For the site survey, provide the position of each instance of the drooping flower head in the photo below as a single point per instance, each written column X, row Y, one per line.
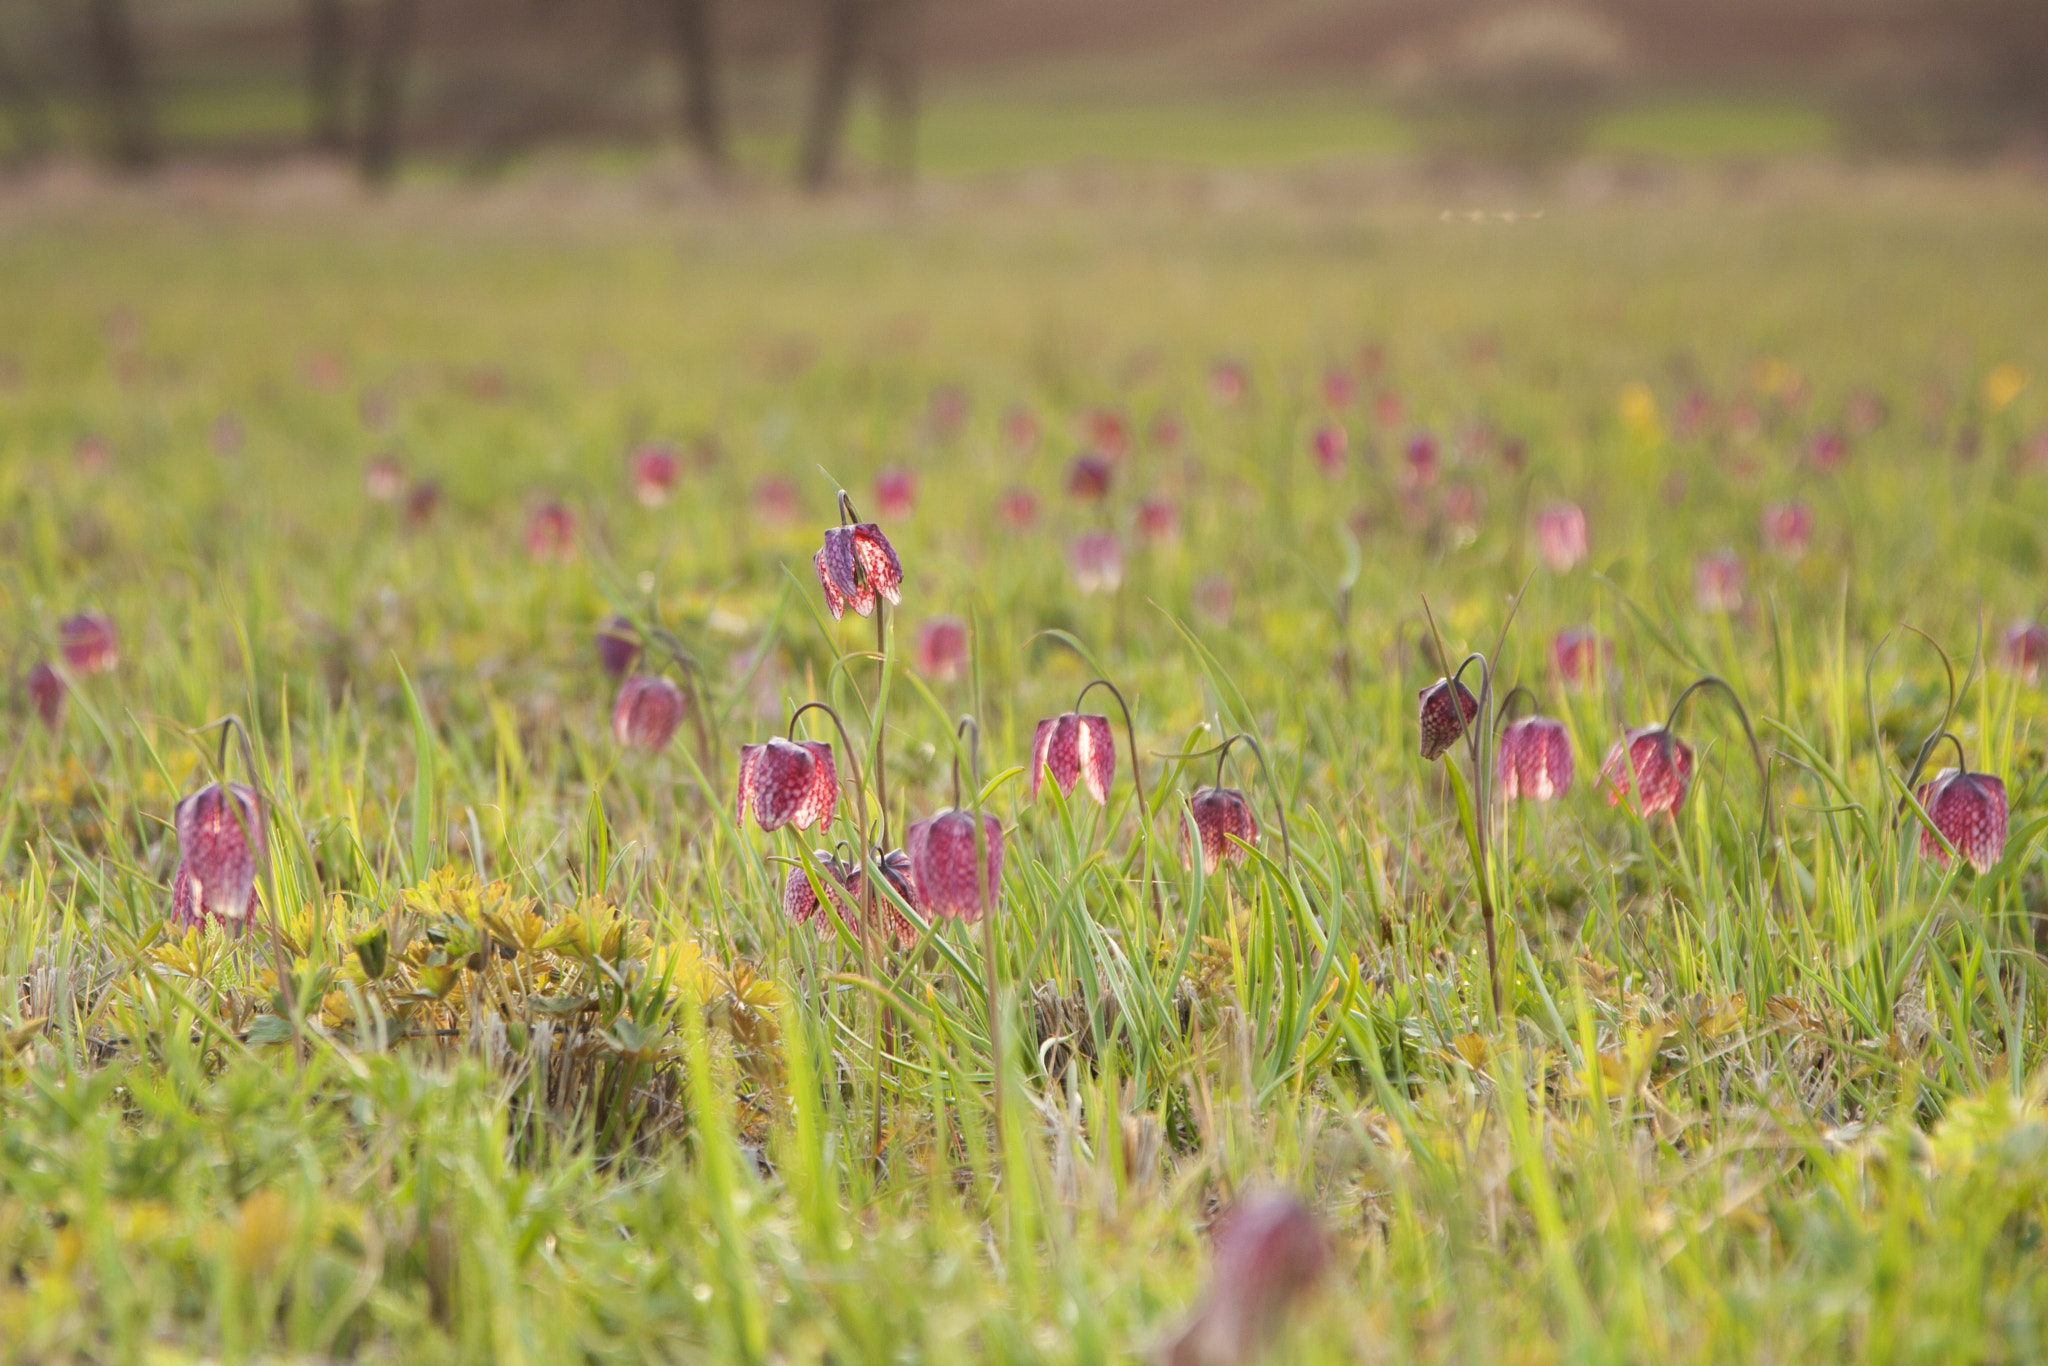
column 1717, row 582
column 618, row 645
column 1096, row 560
column 1074, row 748
column 1444, row 709
column 1269, row 1252
column 856, row 565
column 1576, row 650
column 1969, row 810
column 422, row 502
column 1020, row 429
column 1787, row 528
column 951, row 881
column 787, row 782
column 1331, row 444
column 647, row 712
column 2024, row 648
column 1828, row 450
column 1088, row 477
column 654, row 468
column 89, row 642
column 844, row 885
column 1108, row 432
column 1561, row 535
column 46, row 691
column 896, row 493
column 1535, row 762
column 220, row 842
column 551, row 532
column 1019, row 507
column 942, row 648
column 1158, row 520
column 1222, row 817
column 775, row 500
column 1652, row 762
column 1229, row 381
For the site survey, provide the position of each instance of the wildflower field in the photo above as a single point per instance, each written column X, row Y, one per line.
column 557, row 807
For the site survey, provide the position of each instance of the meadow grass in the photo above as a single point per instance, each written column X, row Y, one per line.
column 520, row 1060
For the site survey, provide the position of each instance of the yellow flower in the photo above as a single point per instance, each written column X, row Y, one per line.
column 2003, row 385
column 1638, row 409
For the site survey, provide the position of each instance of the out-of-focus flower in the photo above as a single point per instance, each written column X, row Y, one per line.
column 1561, row 536
column 1269, row 1253
column 1019, row 508
column 856, row 564
column 775, row 500
column 1827, row 450
column 1463, row 506
column 1787, row 528
column 1073, row 748
column 1444, row 709
column 422, row 503
column 1695, row 415
column 1229, row 381
column 787, row 782
column 2024, row 648
column 551, row 533
column 950, row 880
column 1576, row 650
column 1221, row 816
column 647, row 712
column 844, row 884
column 942, row 648
column 1421, row 455
column 220, row 843
column 896, row 493
column 1158, row 520
column 1168, row 431
column 1339, row 389
column 1109, row 433
column 1652, row 762
column 2002, row 385
column 1020, row 429
column 46, row 691
column 1969, row 810
column 383, row 478
column 1865, row 413
column 946, row 410
column 1214, row 599
column 1331, row 444
column 1088, row 477
column 1717, row 582
column 654, row 468
column 1096, row 559
column 1535, row 761
column 618, row 645
column 1637, row 407
column 89, row 643
column 1388, row 410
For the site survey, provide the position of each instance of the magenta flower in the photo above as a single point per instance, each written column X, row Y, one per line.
column 47, row 692
column 551, row 533
column 1561, row 536
column 2024, row 648
column 1535, row 761
column 1421, row 455
column 1158, row 520
column 89, row 643
column 1331, row 444
column 1020, row 430
column 942, row 648
column 1096, row 559
column 1828, row 450
column 1074, row 747
column 618, row 645
column 1339, row 389
column 422, row 503
column 1717, row 582
column 1088, row 477
column 1387, row 409
column 1575, row 651
column 1229, row 381
column 1969, row 810
column 844, row 883
column 1444, row 715
column 647, row 713
column 896, row 493
column 787, row 782
column 1656, row 763
column 220, row 842
column 1787, row 528
column 775, row 500
column 654, row 469
column 1019, row 508
column 1167, row 431
column 950, row 882
column 383, row 479
column 857, row 563
column 1222, row 818
column 1109, row 433
column 1269, row 1252
column 1463, row 504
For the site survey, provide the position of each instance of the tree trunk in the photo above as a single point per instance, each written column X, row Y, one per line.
column 116, row 53
column 384, row 89
column 697, row 63
column 898, row 55
column 838, row 53
column 327, row 74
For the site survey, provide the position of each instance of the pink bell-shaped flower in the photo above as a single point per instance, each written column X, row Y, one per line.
column 1074, row 748
column 787, row 782
column 89, row 642
column 1561, row 536
column 1535, row 762
column 1656, row 763
column 647, row 712
column 1222, row 817
column 1444, row 719
column 856, row 564
column 950, row 881
column 1969, row 810
column 220, row 843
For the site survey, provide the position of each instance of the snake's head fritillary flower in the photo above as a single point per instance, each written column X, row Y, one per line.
column 647, row 713
column 1088, row 477
column 1969, row 810
column 89, row 643
column 1717, row 582
column 1787, row 528
column 1561, row 536
column 800, row 899
column 1222, row 817
column 1168, row 431
column 618, row 645
column 1339, row 389
column 787, row 782
column 1074, row 748
column 1019, row 508
column 1331, row 444
column 1421, row 455
column 1020, row 430
column 2024, row 648
column 856, row 564
column 383, row 479
column 775, row 500
column 1096, row 560
column 220, row 843
column 1463, row 505
column 1577, row 651
column 896, row 493
column 422, row 503
column 654, row 469
column 1229, row 381
column 1269, row 1252
column 1109, row 433
column 1444, row 709
column 942, row 648
column 1865, row 413
column 551, row 532
column 1828, row 450
column 950, row 880
column 1535, row 761
column 46, row 691
column 1653, row 762
column 1158, row 520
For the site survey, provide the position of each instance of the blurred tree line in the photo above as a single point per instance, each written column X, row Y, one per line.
column 483, row 81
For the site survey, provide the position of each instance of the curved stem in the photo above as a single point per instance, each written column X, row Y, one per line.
column 280, row 961
column 1477, row 737
column 1756, row 752
column 1507, row 704
column 707, row 738
column 1279, row 802
column 1137, row 776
